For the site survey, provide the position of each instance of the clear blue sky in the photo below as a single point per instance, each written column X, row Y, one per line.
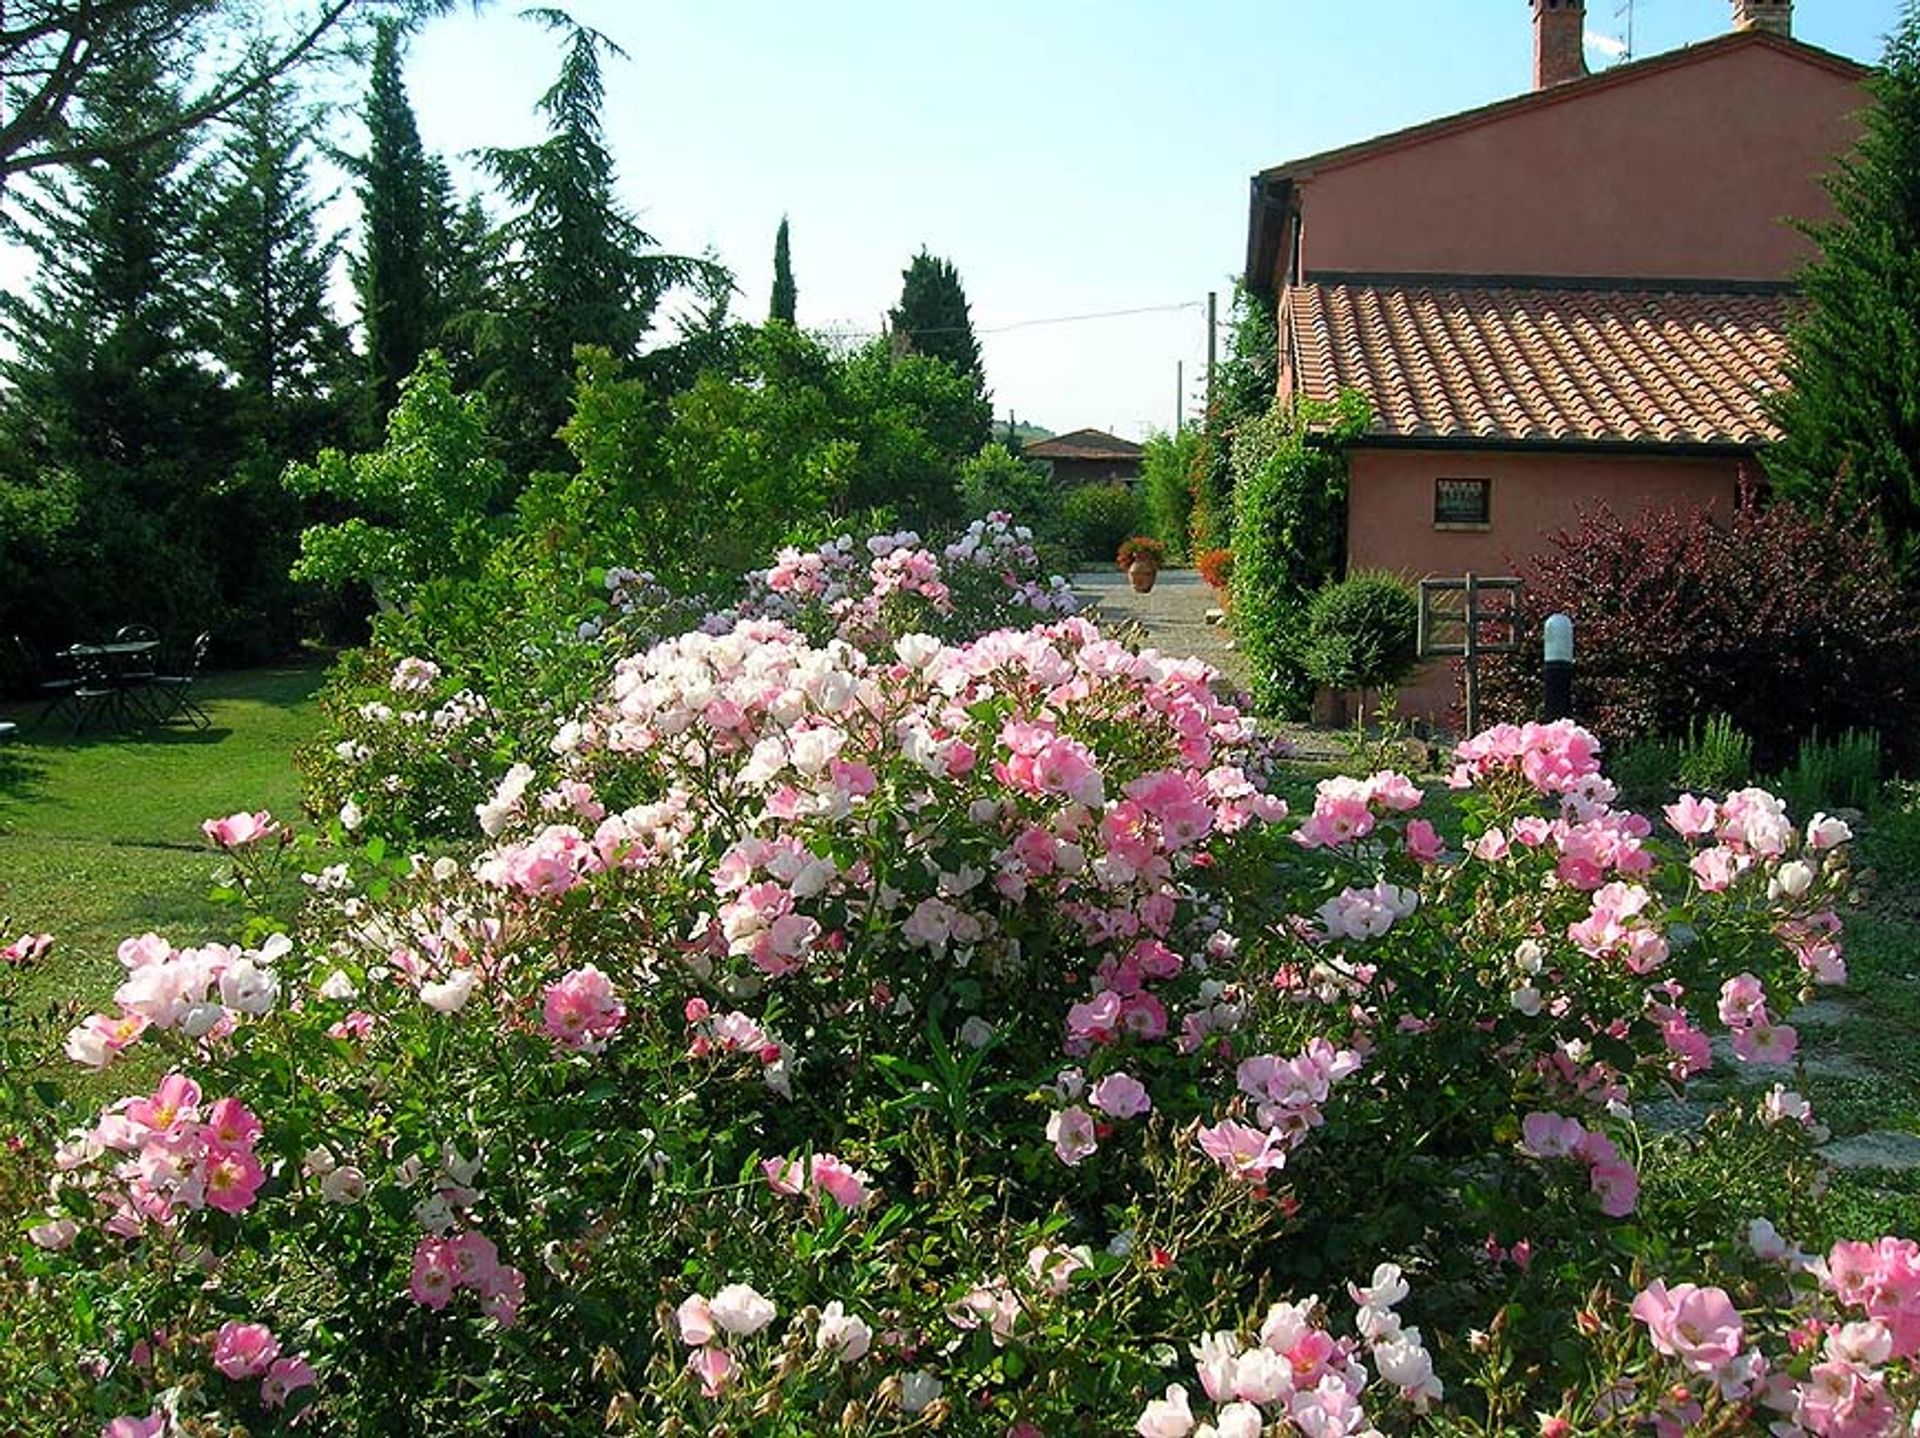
column 1069, row 157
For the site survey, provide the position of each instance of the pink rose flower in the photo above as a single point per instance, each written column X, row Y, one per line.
column 1699, row 1326
column 244, row 1350
column 1120, row 1096
column 695, row 1320
column 1071, row 1133
column 237, row 831
column 286, row 1376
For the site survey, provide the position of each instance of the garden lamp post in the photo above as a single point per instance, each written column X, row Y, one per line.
column 1557, row 636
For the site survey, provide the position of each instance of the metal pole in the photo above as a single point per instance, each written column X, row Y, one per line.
column 1213, row 331
column 1179, row 396
column 1557, row 668
column 1473, row 654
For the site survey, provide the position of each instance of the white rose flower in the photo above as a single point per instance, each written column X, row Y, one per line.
column 740, row 1310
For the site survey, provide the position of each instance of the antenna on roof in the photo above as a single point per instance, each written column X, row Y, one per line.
column 1624, row 11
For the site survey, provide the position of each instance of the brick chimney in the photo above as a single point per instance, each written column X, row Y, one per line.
column 1559, row 43
column 1774, row 15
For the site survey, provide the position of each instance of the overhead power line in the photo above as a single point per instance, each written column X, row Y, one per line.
column 850, row 333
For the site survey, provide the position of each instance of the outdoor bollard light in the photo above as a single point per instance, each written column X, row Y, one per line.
column 1558, row 635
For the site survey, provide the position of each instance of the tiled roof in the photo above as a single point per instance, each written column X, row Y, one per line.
column 1528, row 365
column 1083, row 444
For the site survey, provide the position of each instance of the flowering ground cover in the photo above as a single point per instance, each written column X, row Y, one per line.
column 883, row 1032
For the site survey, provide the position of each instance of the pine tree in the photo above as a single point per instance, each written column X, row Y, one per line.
column 109, row 402
column 272, row 325
column 459, row 246
column 574, row 268
column 785, row 296
column 390, row 273
column 1851, row 415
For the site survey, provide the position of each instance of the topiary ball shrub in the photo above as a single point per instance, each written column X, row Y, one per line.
column 1361, row 632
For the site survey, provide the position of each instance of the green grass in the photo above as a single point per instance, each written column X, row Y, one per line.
column 100, row 834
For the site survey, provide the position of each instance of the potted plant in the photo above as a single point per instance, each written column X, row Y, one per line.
column 1141, row 557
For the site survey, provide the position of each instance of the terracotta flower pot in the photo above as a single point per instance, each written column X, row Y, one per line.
column 1142, row 573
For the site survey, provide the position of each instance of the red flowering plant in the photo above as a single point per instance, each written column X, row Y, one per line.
column 963, row 1035
column 1140, row 547
column 1216, row 567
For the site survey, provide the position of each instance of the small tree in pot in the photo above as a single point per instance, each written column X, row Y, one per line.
column 1361, row 633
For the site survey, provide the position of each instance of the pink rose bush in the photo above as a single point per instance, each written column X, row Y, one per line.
column 872, row 592
column 840, row 1026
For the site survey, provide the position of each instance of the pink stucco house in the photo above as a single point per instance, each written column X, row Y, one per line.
column 1576, row 295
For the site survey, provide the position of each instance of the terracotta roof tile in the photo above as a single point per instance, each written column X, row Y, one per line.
column 1549, row 364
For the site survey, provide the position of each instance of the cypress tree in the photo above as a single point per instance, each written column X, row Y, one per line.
column 785, row 295
column 932, row 319
column 1851, row 415
column 390, row 273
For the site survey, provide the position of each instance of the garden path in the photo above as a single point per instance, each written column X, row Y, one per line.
column 1173, row 619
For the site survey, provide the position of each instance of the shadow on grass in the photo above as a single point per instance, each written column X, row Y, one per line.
column 22, row 773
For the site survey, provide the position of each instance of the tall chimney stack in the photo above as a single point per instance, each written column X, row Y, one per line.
column 1774, row 15
column 1559, row 42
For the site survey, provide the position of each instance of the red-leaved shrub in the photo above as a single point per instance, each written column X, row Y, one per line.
column 1785, row 622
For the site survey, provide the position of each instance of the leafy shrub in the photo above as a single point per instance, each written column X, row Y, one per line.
column 998, row 481
column 1216, row 567
column 1789, row 624
column 1166, row 482
column 1646, row 770
column 1361, row 632
column 1715, row 755
column 1097, row 518
column 1842, row 773
column 422, row 506
column 1289, row 537
column 1139, row 547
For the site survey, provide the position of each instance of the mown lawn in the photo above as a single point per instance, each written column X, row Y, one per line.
column 100, row 834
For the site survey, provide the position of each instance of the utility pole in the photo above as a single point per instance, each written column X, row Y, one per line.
column 1179, row 397
column 1213, row 330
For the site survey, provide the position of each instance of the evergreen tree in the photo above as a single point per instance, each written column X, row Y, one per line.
column 785, row 296
column 1851, row 414
column 270, row 322
column 459, row 246
column 932, row 317
column 396, row 294
column 574, row 268
column 110, row 404
column 270, row 325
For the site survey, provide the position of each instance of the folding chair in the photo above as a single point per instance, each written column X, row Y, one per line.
column 173, row 693
column 94, row 693
column 133, row 674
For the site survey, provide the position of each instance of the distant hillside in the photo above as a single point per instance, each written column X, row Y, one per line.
column 1023, row 433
